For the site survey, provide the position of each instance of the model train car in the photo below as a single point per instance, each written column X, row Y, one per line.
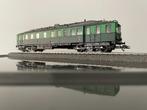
column 83, row 36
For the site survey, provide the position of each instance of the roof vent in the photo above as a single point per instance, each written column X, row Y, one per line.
column 57, row 25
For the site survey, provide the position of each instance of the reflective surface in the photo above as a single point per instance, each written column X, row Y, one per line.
column 56, row 67
column 8, row 65
column 30, row 85
column 60, row 98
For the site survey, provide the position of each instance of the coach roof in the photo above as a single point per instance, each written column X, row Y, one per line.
column 58, row 26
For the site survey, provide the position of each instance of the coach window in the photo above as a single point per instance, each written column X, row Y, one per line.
column 59, row 33
column 88, row 31
column 26, row 37
column 45, row 35
column 93, row 29
column 118, row 29
column 37, row 36
column 66, row 32
column 108, row 28
column 52, row 33
column 73, row 33
column 98, row 30
column 79, row 31
column 32, row 36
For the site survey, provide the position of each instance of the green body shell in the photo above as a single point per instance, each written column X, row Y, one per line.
column 84, row 32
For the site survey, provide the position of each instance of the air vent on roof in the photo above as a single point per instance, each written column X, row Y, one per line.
column 57, row 25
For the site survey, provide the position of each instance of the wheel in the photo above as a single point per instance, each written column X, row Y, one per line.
column 109, row 50
column 78, row 50
column 81, row 50
column 23, row 50
column 34, row 50
column 106, row 49
column 103, row 49
column 40, row 50
column 95, row 50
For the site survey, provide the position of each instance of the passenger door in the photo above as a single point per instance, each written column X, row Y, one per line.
column 93, row 33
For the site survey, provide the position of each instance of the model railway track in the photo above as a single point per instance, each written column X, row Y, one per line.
column 83, row 53
column 137, row 60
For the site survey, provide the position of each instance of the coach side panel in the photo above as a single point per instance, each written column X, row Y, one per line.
column 100, row 33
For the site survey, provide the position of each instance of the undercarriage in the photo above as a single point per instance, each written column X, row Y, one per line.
column 86, row 47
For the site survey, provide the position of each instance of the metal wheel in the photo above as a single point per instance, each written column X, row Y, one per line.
column 106, row 49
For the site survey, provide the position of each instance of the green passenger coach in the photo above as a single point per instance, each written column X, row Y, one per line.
column 84, row 36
